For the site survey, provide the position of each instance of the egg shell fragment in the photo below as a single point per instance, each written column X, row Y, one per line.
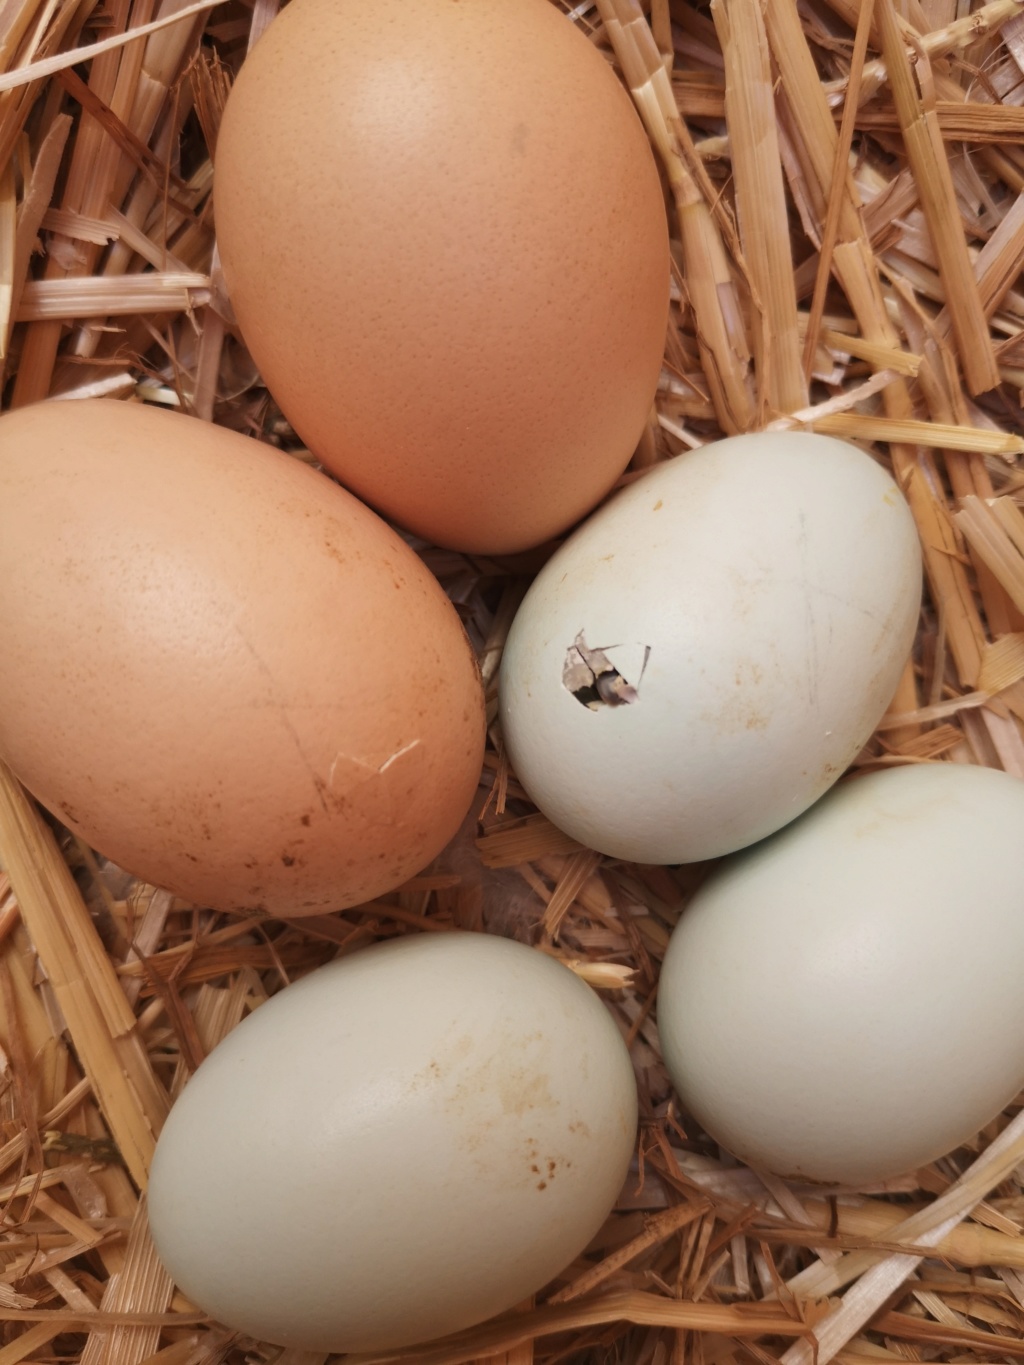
column 704, row 657
column 400, row 1145
column 843, row 1003
column 219, row 668
column 445, row 239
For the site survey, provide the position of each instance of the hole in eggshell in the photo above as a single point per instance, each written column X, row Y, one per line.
column 594, row 680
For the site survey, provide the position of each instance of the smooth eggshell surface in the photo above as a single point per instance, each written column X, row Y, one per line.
column 755, row 602
column 445, row 239
column 843, row 1002
column 219, row 668
column 400, row 1145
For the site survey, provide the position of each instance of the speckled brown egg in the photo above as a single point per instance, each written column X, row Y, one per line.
column 445, row 239
column 221, row 669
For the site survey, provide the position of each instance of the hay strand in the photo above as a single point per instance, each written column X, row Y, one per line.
column 761, row 204
column 99, row 1019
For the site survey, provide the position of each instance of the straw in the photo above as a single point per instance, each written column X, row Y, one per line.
column 845, row 192
column 760, row 204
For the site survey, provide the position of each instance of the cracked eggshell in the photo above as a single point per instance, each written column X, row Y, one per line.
column 445, row 239
column 219, row 668
column 704, row 657
column 843, row 1002
column 402, row 1144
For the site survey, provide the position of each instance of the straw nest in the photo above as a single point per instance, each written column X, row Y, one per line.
column 845, row 264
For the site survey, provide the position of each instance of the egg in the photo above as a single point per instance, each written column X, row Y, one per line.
column 703, row 658
column 445, row 240
column 219, row 668
column 398, row 1146
column 842, row 1003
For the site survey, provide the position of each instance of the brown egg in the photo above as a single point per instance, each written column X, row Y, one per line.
column 445, row 239
column 219, row 668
